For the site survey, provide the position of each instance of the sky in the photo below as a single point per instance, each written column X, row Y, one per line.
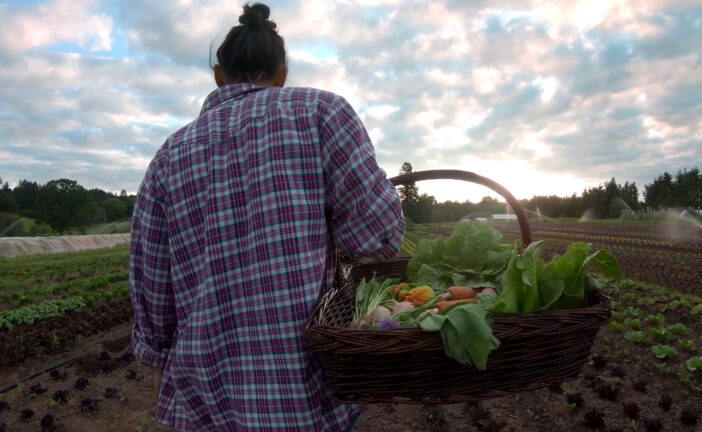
column 546, row 98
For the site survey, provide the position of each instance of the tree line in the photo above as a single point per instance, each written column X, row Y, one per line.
column 608, row 200
column 61, row 205
column 58, row 206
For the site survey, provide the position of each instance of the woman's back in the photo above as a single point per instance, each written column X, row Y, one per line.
column 256, row 194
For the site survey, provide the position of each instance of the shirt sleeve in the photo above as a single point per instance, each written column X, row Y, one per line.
column 150, row 287
column 363, row 206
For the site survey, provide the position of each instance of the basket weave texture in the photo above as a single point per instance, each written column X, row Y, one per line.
column 408, row 365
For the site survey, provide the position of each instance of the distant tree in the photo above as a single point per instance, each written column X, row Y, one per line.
column 687, row 189
column 115, row 209
column 490, row 205
column 659, row 194
column 611, row 205
column 99, row 195
column 129, row 201
column 573, row 206
column 550, row 206
column 629, row 193
column 7, row 201
column 10, row 225
column 593, row 199
column 123, row 193
column 64, row 204
column 26, row 194
column 451, row 211
column 409, row 193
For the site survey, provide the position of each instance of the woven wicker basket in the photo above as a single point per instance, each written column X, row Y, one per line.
column 408, row 365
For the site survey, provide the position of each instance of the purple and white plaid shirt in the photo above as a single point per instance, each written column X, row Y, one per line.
column 233, row 242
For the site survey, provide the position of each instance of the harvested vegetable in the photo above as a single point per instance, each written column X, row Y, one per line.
column 369, row 295
column 488, row 291
column 472, row 256
column 378, row 314
column 388, row 324
column 476, row 277
column 466, row 331
column 420, row 295
column 402, row 307
column 446, row 305
column 462, row 292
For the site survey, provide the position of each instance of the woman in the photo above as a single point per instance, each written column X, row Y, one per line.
column 233, row 241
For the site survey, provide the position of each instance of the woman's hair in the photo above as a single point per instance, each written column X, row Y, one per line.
column 253, row 50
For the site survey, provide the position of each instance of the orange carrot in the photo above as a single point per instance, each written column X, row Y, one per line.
column 461, row 292
column 446, row 304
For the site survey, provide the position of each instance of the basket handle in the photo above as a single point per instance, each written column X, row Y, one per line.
column 406, row 179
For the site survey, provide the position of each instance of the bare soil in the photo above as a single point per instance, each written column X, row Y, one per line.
column 131, row 406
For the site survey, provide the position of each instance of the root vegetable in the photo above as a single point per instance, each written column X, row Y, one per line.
column 445, row 305
column 488, row 291
column 380, row 313
column 461, row 292
column 402, row 307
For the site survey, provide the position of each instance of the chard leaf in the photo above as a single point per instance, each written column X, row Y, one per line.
column 467, row 335
column 607, row 263
column 432, row 322
column 512, row 294
column 529, row 263
column 568, row 268
column 550, row 287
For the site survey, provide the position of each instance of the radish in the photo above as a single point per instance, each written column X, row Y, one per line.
column 380, row 313
column 402, row 307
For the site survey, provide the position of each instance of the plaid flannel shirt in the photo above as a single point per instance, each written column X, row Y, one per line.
column 233, row 241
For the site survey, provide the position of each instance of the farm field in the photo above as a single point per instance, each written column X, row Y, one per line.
column 72, row 311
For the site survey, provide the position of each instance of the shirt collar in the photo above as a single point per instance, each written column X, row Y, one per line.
column 228, row 92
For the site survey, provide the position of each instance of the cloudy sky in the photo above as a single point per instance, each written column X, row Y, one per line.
column 543, row 97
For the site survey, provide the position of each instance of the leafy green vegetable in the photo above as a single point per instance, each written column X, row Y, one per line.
column 616, row 326
column 694, row 364
column 660, row 334
column 369, row 295
column 40, row 312
column 664, row 351
column 657, row 320
column 473, row 256
column 679, row 329
column 635, row 336
column 529, row 285
column 634, row 323
column 687, row 345
column 466, row 331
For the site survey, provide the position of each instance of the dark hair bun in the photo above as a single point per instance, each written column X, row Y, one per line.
column 256, row 15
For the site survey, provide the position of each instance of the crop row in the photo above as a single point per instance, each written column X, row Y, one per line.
column 13, row 298
column 656, row 232
column 60, row 266
column 61, row 331
column 594, row 238
column 53, row 308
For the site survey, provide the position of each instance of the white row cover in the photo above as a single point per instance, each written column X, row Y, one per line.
column 17, row 246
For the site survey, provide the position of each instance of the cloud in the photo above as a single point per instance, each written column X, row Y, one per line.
column 579, row 91
column 49, row 24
